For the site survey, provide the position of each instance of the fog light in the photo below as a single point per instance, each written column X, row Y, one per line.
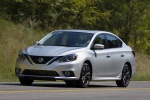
column 17, row 70
column 68, row 73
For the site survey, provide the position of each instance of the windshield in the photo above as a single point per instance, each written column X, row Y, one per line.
column 69, row 39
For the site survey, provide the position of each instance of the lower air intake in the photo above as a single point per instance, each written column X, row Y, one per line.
column 40, row 73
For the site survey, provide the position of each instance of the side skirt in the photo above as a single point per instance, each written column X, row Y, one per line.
column 107, row 78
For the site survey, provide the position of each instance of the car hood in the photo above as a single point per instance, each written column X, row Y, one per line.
column 52, row 50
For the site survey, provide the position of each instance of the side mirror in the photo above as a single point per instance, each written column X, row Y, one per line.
column 36, row 42
column 98, row 46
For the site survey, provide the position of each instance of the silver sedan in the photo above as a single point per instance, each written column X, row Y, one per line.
column 77, row 57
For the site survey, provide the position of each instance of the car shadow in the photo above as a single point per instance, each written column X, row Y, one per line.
column 59, row 85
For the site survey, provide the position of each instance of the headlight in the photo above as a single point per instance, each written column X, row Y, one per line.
column 67, row 58
column 22, row 56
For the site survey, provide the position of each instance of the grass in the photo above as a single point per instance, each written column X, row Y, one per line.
column 143, row 67
column 14, row 37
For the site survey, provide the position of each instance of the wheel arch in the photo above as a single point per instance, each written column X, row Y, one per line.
column 88, row 61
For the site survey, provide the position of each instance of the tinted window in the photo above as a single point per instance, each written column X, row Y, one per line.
column 70, row 39
column 112, row 41
column 52, row 40
column 120, row 43
column 100, row 39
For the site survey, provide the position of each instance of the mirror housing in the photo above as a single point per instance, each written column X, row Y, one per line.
column 35, row 42
column 98, row 46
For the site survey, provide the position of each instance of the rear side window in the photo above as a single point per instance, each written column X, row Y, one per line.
column 112, row 41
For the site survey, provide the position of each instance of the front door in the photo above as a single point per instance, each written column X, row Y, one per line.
column 101, row 59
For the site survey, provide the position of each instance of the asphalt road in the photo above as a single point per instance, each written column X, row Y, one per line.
column 60, row 91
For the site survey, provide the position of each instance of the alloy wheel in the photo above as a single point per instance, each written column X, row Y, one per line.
column 85, row 76
column 126, row 75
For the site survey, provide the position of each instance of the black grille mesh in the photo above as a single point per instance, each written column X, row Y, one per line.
column 35, row 59
column 40, row 73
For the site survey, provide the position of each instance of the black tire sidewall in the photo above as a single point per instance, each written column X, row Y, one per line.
column 80, row 82
column 120, row 83
column 25, row 81
column 125, row 84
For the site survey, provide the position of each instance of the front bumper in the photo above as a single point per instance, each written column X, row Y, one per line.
column 43, row 71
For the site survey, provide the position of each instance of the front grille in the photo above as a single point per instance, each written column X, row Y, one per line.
column 40, row 73
column 40, row 59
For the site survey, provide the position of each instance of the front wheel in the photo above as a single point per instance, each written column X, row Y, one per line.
column 126, row 75
column 85, row 76
column 25, row 81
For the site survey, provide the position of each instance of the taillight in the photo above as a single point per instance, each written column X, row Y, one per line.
column 133, row 52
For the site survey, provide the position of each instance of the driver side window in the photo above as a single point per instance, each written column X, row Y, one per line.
column 100, row 39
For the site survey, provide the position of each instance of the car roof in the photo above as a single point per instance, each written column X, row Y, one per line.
column 85, row 31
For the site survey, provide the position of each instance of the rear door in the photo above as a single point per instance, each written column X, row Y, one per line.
column 115, row 54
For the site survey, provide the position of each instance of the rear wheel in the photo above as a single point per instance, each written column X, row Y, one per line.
column 85, row 76
column 126, row 75
column 25, row 81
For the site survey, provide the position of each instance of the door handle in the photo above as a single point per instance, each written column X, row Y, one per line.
column 122, row 55
column 108, row 56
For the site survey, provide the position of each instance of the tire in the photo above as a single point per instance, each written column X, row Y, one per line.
column 70, row 83
column 126, row 75
column 85, row 76
column 26, row 81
